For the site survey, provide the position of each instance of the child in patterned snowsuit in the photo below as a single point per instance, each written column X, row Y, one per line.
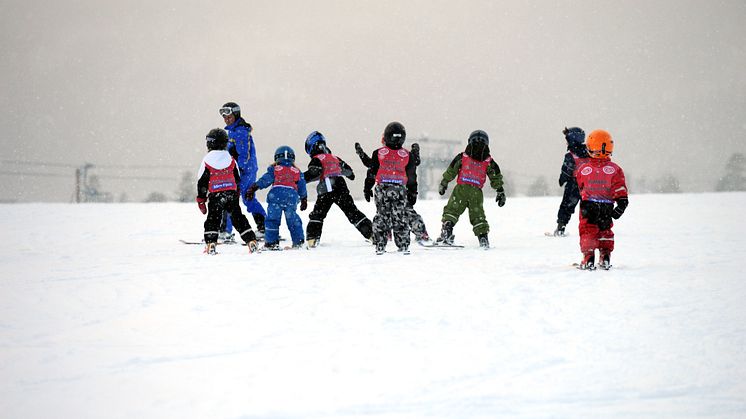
column 470, row 169
column 390, row 169
column 416, row 223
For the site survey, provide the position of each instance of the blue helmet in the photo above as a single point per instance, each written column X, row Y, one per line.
column 312, row 139
column 284, row 156
column 574, row 135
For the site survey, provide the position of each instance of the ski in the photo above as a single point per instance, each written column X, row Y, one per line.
column 219, row 243
column 551, row 234
column 595, row 267
column 222, row 242
column 444, row 246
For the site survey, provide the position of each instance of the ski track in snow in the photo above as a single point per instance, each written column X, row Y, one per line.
column 103, row 313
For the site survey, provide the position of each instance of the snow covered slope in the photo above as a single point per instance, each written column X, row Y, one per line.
column 104, row 314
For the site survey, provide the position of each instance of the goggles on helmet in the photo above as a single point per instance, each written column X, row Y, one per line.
column 227, row 110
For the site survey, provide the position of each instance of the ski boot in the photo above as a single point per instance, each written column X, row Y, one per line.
column 484, row 242
column 605, row 260
column 259, row 220
column 404, row 250
column 424, row 240
column 226, row 237
column 560, row 231
column 253, row 248
column 313, row 243
column 271, row 246
column 446, row 234
column 589, row 261
column 380, row 248
column 210, row 249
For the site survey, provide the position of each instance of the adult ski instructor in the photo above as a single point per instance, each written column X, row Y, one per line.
column 241, row 147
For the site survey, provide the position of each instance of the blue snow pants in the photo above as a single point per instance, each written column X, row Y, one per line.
column 283, row 200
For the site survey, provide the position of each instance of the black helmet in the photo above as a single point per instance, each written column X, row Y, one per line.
column 231, row 108
column 217, row 139
column 479, row 136
column 394, row 135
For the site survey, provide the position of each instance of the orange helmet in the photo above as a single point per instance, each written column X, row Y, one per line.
column 600, row 145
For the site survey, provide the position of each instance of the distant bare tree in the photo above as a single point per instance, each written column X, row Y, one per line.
column 668, row 183
column 735, row 174
column 156, row 197
column 538, row 187
column 187, row 191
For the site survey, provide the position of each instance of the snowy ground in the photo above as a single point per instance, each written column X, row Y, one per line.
column 103, row 314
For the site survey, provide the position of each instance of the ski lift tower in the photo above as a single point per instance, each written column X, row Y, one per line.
column 81, row 183
column 435, row 155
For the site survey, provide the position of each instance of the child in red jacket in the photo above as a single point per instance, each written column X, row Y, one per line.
column 601, row 183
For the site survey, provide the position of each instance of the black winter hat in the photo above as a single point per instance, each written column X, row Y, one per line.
column 574, row 135
column 394, row 135
column 217, row 139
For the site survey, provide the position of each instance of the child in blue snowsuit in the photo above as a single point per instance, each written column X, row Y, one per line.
column 288, row 187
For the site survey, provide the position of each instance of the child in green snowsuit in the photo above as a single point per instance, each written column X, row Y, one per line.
column 470, row 169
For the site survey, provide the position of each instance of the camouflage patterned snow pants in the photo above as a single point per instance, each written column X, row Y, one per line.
column 391, row 213
column 416, row 223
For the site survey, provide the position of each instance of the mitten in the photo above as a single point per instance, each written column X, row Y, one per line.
column 368, row 194
column 359, row 149
column 442, row 189
column 416, row 149
column 500, row 198
column 303, row 203
column 251, row 191
column 621, row 205
column 351, row 176
column 411, row 198
column 201, row 205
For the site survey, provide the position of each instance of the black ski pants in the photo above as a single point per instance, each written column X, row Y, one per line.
column 226, row 201
column 570, row 199
column 344, row 201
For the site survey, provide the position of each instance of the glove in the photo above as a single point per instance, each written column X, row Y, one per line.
column 250, row 192
column 303, row 203
column 442, row 189
column 621, row 205
column 565, row 131
column 201, row 205
column 351, row 176
column 416, row 149
column 500, row 198
column 359, row 149
column 368, row 194
column 411, row 198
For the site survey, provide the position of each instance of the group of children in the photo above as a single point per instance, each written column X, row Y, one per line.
column 589, row 177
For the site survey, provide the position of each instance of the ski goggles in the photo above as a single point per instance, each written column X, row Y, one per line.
column 227, row 110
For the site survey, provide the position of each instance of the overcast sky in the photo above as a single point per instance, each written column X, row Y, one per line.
column 138, row 83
